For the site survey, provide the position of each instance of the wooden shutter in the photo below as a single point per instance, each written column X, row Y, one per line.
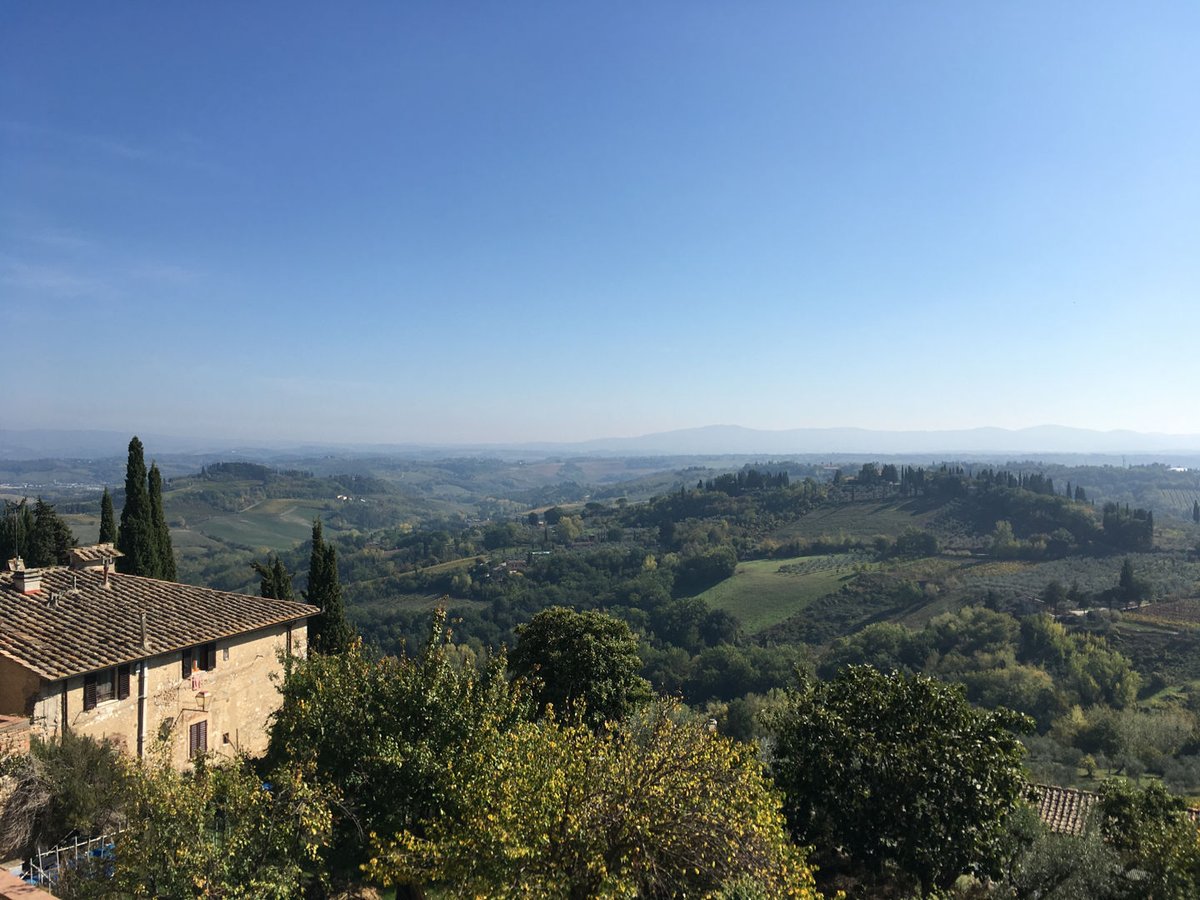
column 89, row 691
column 187, row 663
column 122, row 682
column 198, row 739
column 208, row 658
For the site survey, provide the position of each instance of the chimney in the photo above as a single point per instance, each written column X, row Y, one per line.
column 91, row 557
column 27, row 581
column 145, row 636
column 107, row 564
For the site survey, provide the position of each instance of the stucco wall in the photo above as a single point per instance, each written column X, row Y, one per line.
column 18, row 688
column 235, row 699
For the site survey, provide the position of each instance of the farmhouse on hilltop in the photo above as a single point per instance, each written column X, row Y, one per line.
column 138, row 660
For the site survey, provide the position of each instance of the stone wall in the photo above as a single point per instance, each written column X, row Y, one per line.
column 14, row 735
column 234, row 700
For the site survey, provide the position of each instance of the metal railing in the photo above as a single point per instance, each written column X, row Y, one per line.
column 47, row 867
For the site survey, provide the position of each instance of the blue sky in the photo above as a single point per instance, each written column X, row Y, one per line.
column 506, row 222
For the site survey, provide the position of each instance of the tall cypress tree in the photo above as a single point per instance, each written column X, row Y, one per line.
column 328, row 632
column 108, row 521
column 136, row 539
column 50, row 541
column 276, row 582
column 15, row 529
column 1196, row 511
column 163, row 550
column 316, row 584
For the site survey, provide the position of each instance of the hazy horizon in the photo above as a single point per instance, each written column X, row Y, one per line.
column 995, row 444
column 516, row 224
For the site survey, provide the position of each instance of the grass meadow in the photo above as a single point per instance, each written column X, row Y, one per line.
column 764, row 592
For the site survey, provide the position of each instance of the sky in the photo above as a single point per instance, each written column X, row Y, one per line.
column 478, row 222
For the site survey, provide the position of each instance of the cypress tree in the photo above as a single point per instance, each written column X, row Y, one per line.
column 1127, row 583
column 136, row 538
column 328, row 632
column 276, row 582
column 1196, row 511
column 108, row 521
column 163, row 550
column 51, row 540
column 15, row 529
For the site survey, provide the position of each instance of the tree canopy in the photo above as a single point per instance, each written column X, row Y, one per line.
column 276, row 582
column 108, row 524
column 217, row 831
column 51, row 540
column 381, row 730
column 1154, row 838
column 38, row 535
column 136, row 538
column 164, row 553
column 587, row 659
column 328, row 632
column 653, row 806
column 899, row 772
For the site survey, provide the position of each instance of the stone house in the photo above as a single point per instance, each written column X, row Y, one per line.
column 139, row 660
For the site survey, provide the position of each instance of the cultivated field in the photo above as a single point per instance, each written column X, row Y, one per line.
column 274, row 524
column 858, row 521
column 764, row 592
column 1172, row 614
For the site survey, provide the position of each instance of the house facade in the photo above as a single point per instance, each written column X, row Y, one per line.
column 140, row 661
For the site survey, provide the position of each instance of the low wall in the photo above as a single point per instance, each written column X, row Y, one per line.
column 14, row 735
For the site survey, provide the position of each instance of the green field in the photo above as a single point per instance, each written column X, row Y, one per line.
column 764, row 592
column 412, row 603
column 854, row 520
column 275, row 524
column 85, row 527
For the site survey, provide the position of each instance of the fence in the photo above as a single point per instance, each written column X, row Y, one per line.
column 44, row 869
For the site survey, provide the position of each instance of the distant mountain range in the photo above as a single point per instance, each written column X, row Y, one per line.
column 711, row 440
column 1041, row 439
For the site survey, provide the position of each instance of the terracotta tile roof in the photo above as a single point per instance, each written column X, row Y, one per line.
column 75, row 624
column 1064, row 810
column 95, row 553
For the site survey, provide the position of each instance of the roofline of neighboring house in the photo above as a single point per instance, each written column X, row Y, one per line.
column 40, row 673
column 270, row 613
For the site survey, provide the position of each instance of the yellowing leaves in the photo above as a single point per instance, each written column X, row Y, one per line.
column 655, row 804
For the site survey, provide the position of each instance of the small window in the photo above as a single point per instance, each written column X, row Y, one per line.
column 105, row 685
column 203, row 658
column 198, row 739
column 207, row 654
column 224, row 654
column 106, row 688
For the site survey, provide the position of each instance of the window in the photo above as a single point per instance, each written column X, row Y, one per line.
column 204, row 657
column 105, row 685
column 198, row 739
